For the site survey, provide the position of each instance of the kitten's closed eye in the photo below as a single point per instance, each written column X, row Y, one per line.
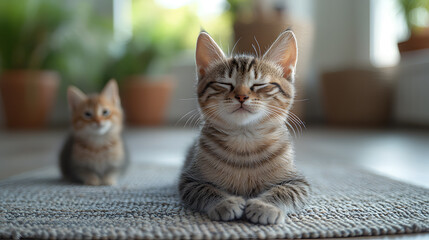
column 256, row 87
column 231, row 87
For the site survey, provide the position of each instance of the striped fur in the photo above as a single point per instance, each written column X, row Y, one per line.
column 241, row 165
column 94, row 154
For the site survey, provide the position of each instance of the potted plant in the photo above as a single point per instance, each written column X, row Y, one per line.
column 28, row 89
column 418, row 26
column 146, row 56
column 41, row 39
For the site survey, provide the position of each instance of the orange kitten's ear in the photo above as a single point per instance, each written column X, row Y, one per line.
column 111, row 92
column 75, row 97
column 207, row 53
column 284, row 51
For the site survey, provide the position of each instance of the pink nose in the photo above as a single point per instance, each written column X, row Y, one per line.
column 241, row 98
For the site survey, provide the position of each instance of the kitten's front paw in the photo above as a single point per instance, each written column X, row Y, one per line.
column 261, row 212
column 92, row 180
column 109, row 181
column 228, row 209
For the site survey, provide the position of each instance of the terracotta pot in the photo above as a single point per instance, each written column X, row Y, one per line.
column 28, row 97
column 145, row 99
column 415, row 42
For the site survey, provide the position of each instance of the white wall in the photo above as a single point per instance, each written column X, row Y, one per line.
column 342, row 40
column 184, row 99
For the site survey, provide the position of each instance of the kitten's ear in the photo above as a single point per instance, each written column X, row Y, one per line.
column 207, row 53
column 284, row 51
column 111, row 92
column 75, row 97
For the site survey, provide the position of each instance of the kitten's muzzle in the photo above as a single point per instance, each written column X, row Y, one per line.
column 241, row 98
column 241, row 108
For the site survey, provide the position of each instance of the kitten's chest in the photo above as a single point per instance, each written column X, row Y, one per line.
column 246, row 182
column 99, row 156
column 244, row 142
column 245, row 164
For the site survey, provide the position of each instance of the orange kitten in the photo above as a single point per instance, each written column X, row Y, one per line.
column 94, row 152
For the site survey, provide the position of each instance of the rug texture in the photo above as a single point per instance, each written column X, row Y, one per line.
column 345, row 202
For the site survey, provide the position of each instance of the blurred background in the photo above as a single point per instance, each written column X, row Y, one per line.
column 362, row 78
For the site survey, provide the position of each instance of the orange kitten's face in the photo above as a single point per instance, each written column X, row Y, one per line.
column 244, row 90
column 97, row 114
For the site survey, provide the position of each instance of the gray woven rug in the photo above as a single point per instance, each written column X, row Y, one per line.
column 145, row 204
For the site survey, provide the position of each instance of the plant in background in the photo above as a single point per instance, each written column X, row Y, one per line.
column 27, row 29
column 83, row 46
column 158, row 35
column 416, row 13
column 40, row 40
column 69, row 37
column 240, row 9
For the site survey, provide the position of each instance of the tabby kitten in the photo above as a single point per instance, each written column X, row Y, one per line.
column 94, row 151
column 242, row 164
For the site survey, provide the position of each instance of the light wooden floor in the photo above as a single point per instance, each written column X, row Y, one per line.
column 399, row 154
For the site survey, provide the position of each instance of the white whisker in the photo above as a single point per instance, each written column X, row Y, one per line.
column 187, row 99
column 256, row 52
column 232, row 51
column 260, row 54
column 185, row 116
